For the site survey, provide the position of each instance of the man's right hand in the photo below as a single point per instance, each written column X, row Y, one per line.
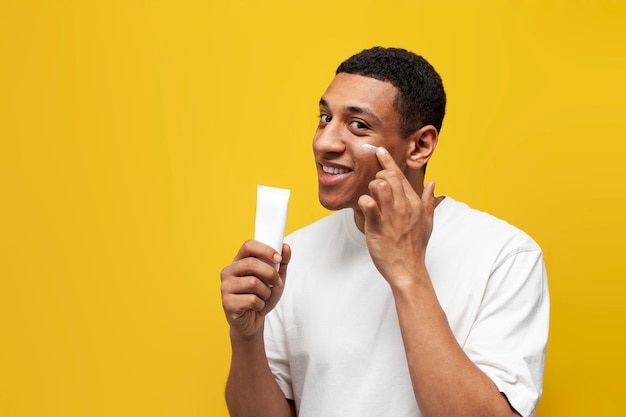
column 251, row 286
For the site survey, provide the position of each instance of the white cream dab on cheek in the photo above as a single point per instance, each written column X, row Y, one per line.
column 369, row 148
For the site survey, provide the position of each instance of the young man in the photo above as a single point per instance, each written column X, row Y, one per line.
column 382, row 314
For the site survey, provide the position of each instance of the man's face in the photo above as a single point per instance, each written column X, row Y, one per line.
column 354, row 110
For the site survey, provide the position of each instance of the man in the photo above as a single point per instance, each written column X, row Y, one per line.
column 382, row 314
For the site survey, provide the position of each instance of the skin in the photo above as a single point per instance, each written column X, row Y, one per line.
column 394, row 210
column 251, row 388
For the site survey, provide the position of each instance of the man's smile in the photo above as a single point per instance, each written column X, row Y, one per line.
column 334, row 170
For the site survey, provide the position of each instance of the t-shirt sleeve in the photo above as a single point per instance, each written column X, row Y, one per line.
column 276, row 350
column 508, row 339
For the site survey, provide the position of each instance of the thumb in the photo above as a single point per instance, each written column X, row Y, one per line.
column 286, row 257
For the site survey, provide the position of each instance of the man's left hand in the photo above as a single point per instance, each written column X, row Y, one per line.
column 398, row 222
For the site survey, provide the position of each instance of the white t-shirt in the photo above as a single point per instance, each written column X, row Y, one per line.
column 333, row 341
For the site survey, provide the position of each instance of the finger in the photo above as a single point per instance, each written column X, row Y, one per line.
column 286, row 256
column 237, row 304
column 389, row 165
column 381, row 191
column 254, row 248
column 370, row 210
column 252, row 267
column 246, row 285
column 386, row 160
column 392, row 183
column 282, row 269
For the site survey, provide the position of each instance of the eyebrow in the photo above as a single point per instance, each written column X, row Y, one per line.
column 355, row 110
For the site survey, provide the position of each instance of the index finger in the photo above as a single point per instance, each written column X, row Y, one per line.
column 258, row 250
column 386, row 161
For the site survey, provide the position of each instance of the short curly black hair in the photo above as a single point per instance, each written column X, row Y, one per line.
column 421, row 99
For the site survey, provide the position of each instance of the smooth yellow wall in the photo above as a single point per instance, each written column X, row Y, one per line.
column 133, row 134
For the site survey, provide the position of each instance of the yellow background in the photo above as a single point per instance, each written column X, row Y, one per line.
column 133, row 134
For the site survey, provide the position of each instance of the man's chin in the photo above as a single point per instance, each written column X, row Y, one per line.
column 331, row 205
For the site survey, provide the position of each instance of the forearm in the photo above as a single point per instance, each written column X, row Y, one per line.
column 445, row 381
column 251, row 389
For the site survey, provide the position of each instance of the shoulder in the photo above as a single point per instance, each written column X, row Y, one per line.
column 459, row 222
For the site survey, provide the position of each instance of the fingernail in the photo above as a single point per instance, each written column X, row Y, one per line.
column 381, row 150
column 280, row 282
column 277, row 258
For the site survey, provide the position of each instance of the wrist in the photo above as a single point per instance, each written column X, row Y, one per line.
column 411, row 278
column 246, row 340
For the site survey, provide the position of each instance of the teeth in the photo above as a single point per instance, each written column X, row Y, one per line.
column 332, row 170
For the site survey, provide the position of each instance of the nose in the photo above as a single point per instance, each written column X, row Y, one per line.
column 329, row 139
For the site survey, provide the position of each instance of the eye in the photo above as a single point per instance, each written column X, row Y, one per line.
column 357, row 124
column 325, row 118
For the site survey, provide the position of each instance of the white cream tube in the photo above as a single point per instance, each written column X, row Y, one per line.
column 271, row 216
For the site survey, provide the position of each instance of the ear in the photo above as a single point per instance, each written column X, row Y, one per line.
column 422, row 144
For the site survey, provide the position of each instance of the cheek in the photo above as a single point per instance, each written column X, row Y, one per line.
column 361, row 156
column 368, row 168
